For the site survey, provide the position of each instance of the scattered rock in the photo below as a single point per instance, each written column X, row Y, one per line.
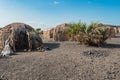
column 43, row 48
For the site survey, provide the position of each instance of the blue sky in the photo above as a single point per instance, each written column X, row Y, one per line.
column 49, row 13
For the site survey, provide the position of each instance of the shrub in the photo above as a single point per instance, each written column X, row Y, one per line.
column 93, row 34
column 38, row 30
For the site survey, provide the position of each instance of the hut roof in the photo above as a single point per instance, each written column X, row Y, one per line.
column 15, row 25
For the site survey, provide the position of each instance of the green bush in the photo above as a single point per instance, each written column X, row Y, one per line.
column 38, row 29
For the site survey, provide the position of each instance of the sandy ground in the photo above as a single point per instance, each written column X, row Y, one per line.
column 66, row 61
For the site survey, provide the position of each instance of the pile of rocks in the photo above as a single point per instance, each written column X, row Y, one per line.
column 95, row 53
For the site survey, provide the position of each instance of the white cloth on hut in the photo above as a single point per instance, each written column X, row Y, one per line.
column 7, row 42
column 7, row 51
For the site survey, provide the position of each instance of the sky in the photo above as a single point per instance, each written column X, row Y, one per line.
column 45, row 14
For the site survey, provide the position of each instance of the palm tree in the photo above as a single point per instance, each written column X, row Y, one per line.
column 98, row 35
column 76, row 29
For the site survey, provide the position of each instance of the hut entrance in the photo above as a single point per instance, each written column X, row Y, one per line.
column 21, row 42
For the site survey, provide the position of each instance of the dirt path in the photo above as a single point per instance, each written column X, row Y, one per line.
column 66, row 61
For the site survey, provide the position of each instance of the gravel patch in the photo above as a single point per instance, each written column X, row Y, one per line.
column 66, row 61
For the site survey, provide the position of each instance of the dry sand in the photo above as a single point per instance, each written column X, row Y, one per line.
column 66, row 61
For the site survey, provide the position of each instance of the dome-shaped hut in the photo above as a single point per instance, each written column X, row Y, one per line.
column 59, row 32
column 20, row 36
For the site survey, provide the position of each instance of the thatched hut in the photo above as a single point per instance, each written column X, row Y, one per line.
column 59, row 33
column 21, row 36
column 48, row 34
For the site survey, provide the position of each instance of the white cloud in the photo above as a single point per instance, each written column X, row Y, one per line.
column 56, row 2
